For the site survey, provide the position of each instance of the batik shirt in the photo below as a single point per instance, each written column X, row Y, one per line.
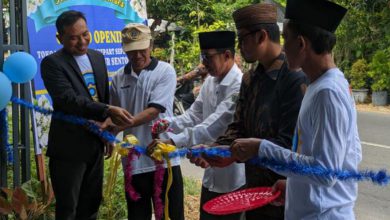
column 267, row 108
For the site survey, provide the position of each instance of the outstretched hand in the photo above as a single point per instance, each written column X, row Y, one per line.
column 216, row 161
column 198, row 161
column 108, row 148
column 120, row 116
column 280, row 185
column 150, row 148
column 245, row 148
column 110, row 126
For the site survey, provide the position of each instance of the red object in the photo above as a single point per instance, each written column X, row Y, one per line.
column 239, row 201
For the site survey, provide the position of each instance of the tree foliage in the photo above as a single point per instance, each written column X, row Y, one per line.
column 364, row 30
column 193, row 16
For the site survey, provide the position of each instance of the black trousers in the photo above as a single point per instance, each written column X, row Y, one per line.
column 77, row 188
column 144, row 185
column 207, row 195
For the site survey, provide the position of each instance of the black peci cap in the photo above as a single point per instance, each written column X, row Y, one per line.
column 217, row 39
column 320, row 13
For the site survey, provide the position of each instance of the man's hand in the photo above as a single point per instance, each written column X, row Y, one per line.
column 280, row 185
column 120, row 116
column 109, row 126
column 153, row 144
column 198, row 161
column 219, row 161
column 245, row 148
column 108, row 148
column 202, row 71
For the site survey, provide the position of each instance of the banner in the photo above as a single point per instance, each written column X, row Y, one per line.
column 105, row 20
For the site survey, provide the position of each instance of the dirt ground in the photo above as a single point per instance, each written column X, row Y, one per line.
column 372, row 108
column 191, row 207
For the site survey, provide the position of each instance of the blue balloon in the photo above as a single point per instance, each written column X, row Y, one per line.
column 5, row 91
column 20, row 67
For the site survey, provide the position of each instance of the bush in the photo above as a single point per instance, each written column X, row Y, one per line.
column 358, row 74
column 379, row 70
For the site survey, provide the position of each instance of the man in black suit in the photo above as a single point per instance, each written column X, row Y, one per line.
column 76, row 79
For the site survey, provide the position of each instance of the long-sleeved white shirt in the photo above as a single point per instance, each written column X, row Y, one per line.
column 207, row 119
column 327, row 137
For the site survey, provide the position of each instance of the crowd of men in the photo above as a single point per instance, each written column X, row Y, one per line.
column 294, row 106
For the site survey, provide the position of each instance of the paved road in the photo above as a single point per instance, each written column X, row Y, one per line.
column 373, row 201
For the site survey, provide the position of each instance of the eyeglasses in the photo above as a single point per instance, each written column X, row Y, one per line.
column 241, row 38
column 208, row 57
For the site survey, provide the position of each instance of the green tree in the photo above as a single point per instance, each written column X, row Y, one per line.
column 364, row 30
column 358, row 74
column 194, row 17
column 379, row 70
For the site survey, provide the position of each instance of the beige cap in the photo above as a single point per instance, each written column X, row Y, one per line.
column 135, row 37
column 262, row 13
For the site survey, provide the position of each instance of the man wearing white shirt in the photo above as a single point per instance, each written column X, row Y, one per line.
column 327, row 132
column 145, row 87
column 211, row 113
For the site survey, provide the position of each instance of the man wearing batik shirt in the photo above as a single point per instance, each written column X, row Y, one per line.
column 270, row 96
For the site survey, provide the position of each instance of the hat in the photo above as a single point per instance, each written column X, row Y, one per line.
column 262, row 13
column 217, row 39
column 320, row 13
column 135, row 37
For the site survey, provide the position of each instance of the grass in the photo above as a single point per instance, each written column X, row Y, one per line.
column 192, row 188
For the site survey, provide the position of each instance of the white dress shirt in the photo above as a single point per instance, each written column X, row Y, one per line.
column 207, row 119
column 327, row 137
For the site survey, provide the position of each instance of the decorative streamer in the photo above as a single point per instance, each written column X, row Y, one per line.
column 169, row 184
column 381, row 177
column 161, row 152
column 378, row 177
column 68, row 118
column 128, row 176
column 158, row 182
column 131, row 153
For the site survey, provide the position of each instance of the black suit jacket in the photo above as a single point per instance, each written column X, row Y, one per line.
column 66, row 86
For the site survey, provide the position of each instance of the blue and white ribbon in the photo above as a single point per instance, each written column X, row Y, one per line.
column 378, row 177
